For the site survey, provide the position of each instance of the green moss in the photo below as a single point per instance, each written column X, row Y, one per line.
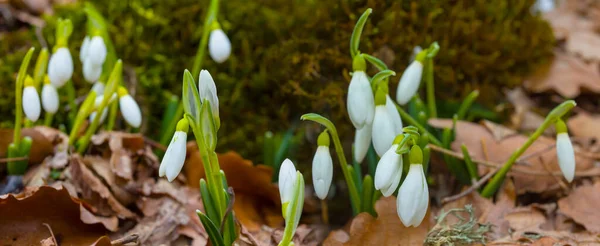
column 292, row 57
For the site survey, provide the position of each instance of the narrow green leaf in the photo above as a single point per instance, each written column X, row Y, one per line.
column 19, row 94
column 357, row 32
column 207, row 201
column 367, row 194
column 209, row 130
column 379, row 64
column 190, row 97
column 466, row 104
column 213, row 232
column 469, row 163
column 40, row 68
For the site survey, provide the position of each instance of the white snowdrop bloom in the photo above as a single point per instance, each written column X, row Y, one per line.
column 31, row 103
column 219, row 46
column 91, row 71
column 394, row 115
column 98, row 87
column 84, row 47
column 409, row 82
column 416, row 50
column 362, row 141
column 413, row 196
column 322, row 167
column 383, row 130
column 49, row 98
column 287, row 181
column 129, row 108
column 96, row 52
column 174, row 157
column 208, row 91
column 388, row 172
column 360, row 102
column 60, row 67
column 564, row 151
column 543, row 6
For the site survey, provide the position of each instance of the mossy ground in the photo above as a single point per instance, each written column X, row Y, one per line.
column 292, row 57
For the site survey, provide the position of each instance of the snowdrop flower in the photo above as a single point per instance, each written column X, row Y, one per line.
column 96, row 51
column 31, row 101
column 98, row 87
column 84, row 48
column 564, row 151
column 360, row 102
column 543, row 6
column 362, row 141
column 322, row 167
column 384, row 128
column 389, row 170
column 208, row 91
column 174, row 157
column 60, row 67
column 129, row 108
column 91, row 71
column 410, row 80
column 287, row 180
column 394, row 115
column 413, row 196
column 219, row 46
column 416, row 50
column 49, row 98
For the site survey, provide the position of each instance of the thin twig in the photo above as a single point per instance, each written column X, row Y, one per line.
column 515, row 169
column 133, row 238
column 51, row 233
column 5, row 160
column 470, row 190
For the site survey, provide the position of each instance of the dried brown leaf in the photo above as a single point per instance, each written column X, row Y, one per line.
column 40, row 148
column 582, row 205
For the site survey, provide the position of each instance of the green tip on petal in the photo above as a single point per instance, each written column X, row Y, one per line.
column 28, row 81
column 561, row 127
column 398, row 139
column 416, row 155
column 323, row 139
column 359, row 63
column 183, row 125
column 380, row 96
column 421, row 56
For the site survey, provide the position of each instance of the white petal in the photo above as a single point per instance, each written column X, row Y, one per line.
column 322, row 171
column 174, row 157
column 409, row 82
column 84, row 48
column 98, row 87
column 388, row 191
column 394, row 115
column 60, row 67
column 96, row 53
column 383, row 130
column 386, row 168
column 49, row 98
column 287, row 179
column 130, row 111
column 566, row 156
column 360, row 102
column 91, row 72
column 31, row 103
column 423, row 201
column 208, row 90
column 409, row 195
column 362, row 141
column 219, row 46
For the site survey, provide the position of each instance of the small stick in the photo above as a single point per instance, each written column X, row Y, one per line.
column 470, row 190
column 324, row 212
column 133, row 238
column 5, row 160
column 51, row 233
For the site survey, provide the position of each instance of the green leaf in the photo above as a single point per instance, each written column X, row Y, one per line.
column 209, row 130
column 357, row 32
column 367, row 194
column 19, row 94
column 40, row 68
column 466, row 104
column 190, row 97
column 207, row 201
column 469, row 163
column 379, row 64
column 213, row 232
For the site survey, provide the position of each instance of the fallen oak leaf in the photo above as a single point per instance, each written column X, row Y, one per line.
column 23, row 219
column 582, row 205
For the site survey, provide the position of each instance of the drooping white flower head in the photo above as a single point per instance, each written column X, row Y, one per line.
column 174, row 157
column 49, row 98
column 96, row 52
column 219, row 46
column 360, row 101
column 208, row 91
column 394, row 115
column 564, row 151
column 413, row 196
column 60, row 67
column 322, row 167
column 389, row 171
column 129, row 108
column 98, row 87
column 409, row 82
column 31, row 103
column 287, row 181
column 383, row 130
column 84, row 48
column 362, row 141
column 91, row 71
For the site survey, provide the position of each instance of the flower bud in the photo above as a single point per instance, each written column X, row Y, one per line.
column 60, row 67
column 96, row 52
column 383, row 130
column 409, row 82
column 49, row 98
column 129, row 108
column 360, row 101
column 208, row 91
column 322, row 167
column 174, row 157
column 564, row 151
column 31, row 102
column 219, row 46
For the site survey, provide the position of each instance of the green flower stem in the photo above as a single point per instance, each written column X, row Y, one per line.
column 170, row 129
column 354, row 194
column 83, row 112
column 211, row 16
column 72, row 104
column 414, row 122
column 112, row 115
column 19, row 97
column 552, row 117
column 430, row 88
column 111, row 87
column 40, row 68
column 48, row 119
column 471, row 167
column 356, row 33
column 466, row 104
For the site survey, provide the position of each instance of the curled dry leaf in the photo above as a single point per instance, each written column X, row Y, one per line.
column 386, row 229
column 257, row 200
column 163, row 218
column 482, row 145
column 585, row 126
column 40, row 148
column 582, row 205
column 23, row 219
